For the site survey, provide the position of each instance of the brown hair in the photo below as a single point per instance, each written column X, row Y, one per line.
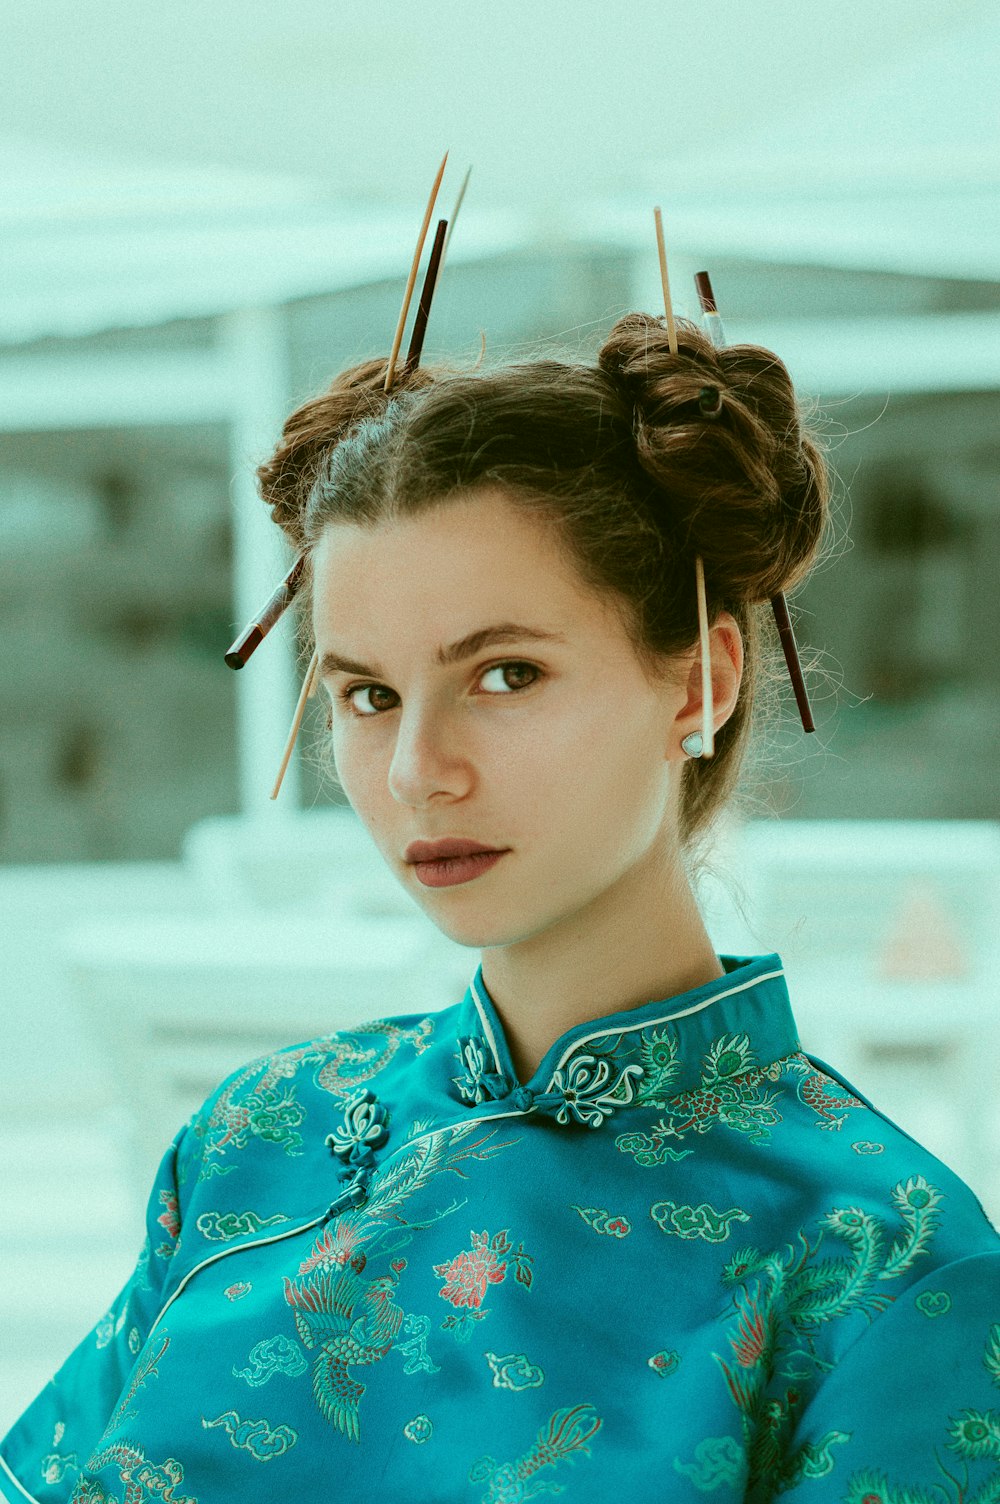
column 639, row 463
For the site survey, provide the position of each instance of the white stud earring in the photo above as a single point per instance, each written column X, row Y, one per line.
column 694, row 744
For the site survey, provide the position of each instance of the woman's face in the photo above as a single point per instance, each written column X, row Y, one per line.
column 567, row 757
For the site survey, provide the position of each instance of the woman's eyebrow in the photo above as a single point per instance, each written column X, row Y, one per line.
column 456, row 652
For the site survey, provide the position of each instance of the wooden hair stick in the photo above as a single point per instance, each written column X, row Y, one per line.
column 779, row 605
column 412, row 360
column 704, row 640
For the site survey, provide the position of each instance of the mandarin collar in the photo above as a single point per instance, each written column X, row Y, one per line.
column 713, row 1037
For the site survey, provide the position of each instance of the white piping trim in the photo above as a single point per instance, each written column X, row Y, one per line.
column 18, row 1485
column 644, row 1023
column 213, row 1258
column 485, row 1023
column 665, row 1018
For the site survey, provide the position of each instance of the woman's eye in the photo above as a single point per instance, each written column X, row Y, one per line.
column 348, row 694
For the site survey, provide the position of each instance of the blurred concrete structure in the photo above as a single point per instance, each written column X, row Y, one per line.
column 155, row 330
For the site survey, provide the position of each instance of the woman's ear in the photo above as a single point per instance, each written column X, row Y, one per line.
column 726, row 644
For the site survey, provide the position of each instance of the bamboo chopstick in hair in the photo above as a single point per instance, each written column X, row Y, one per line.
column 779, row 605
column 398, row 337
column 412, row 360
column 306, row 691
column 704, row 640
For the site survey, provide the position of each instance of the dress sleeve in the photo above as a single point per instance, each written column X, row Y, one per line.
column 42, row 1452
column 911, row 1413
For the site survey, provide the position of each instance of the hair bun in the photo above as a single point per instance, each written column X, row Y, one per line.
column 720, row 434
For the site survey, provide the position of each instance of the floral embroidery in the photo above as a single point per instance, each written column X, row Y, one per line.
column 342, row 1310
column 237, row 1291
column 467, row 1276
column 169, row 1220
column 696, row 1221
column 602, row 1221
column 514, row 1372
column 470, row 1273
column 262, row 1440
column 566, row 1432
column 110, row 1325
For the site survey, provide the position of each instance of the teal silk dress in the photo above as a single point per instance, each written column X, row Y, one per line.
column 685, row 1261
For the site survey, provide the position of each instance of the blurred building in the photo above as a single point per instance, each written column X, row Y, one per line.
column 156, row 329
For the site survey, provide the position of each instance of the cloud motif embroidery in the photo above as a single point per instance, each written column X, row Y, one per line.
column 274, row 1355
column 257, row 1437
column 514, row 1372
column 601, row 1220
column 696, row 1221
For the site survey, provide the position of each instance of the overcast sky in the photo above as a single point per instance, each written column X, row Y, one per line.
column 545, row 100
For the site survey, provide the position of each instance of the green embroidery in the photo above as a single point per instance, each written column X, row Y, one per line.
column 273, row 1355
column 933, row 1303
column 146, row 1482
column 874, row 1488
column 514, row 1372
column 418, row 1430
column 664, row 1362
column 603, row 1221
column 263, row 1441
column 719, row 1462
column 566, row 1432
column 793, row 1295
column 696, row 1221
column 226, row 1225
column 975, row 1434
column 649, row 1148
column 729, row 1092
column 991, row 1356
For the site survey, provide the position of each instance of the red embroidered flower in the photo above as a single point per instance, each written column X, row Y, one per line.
column 169, row 1218
column 468, row 1275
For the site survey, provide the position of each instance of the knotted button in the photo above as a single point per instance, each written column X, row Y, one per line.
column 523, row 1098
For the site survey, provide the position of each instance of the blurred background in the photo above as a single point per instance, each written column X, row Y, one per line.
column 206, row 213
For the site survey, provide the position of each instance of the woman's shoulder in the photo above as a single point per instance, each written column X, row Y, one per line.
column 278, row 1108
column 881, row 1187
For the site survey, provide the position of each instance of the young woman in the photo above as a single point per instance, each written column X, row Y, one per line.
column 601, row 1228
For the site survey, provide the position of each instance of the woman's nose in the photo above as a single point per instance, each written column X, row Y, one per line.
column 426, row 759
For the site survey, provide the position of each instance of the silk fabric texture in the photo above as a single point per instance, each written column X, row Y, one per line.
column 685, row 1260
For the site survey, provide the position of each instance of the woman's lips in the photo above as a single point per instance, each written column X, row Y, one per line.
column 448, row 870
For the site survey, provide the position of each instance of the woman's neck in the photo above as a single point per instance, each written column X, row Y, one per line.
column 641, row 940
